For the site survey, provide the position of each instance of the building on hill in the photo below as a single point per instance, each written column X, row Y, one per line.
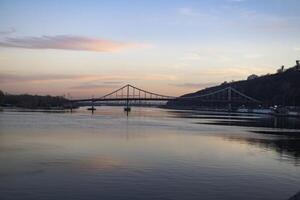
column 252, row 76
column 281, row 69
column 297, row 67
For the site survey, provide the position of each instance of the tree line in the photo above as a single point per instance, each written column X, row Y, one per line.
column 31, row 101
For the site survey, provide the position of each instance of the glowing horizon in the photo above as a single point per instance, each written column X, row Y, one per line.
column 86, row 48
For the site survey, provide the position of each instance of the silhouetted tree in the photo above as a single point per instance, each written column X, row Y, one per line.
column 1, row 97
column 33, row 101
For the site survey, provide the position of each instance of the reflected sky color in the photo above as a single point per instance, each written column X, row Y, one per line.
column 152, row 154
column 180, row 45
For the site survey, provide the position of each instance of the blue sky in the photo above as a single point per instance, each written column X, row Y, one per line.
column 89, row 47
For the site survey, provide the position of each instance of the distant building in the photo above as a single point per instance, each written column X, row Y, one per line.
column 281, row 69
column 297, row 64
column 251, row 77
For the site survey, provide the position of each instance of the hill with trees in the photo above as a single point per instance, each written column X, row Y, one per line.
column 282, row 88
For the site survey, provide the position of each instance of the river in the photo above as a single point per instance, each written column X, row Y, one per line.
column 151, row 154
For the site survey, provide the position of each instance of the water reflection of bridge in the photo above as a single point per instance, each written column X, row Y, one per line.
column 129, row 95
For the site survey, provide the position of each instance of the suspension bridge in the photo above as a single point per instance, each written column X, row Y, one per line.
column 129, row 93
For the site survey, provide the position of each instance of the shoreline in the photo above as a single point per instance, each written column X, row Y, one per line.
column 293, row 114
column 269, row 112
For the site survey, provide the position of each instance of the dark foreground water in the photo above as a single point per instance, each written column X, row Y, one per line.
column 152, row 154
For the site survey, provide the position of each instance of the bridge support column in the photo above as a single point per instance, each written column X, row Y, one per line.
column 127, row 108
column 93, row 108
column 229, row 107
column 229, row 99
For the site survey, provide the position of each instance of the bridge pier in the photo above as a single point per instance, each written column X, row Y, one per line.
column 93, row 107
column 127, row 109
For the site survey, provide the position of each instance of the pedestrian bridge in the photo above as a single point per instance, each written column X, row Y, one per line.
column 129, row 93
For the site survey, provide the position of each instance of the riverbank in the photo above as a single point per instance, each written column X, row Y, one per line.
column 263, row 111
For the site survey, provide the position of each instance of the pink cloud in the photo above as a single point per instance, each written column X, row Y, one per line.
column 68, row 42
column 47, row 78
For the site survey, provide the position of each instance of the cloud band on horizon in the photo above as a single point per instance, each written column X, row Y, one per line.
column 68, row 42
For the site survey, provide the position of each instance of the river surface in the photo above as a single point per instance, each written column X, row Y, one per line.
column 151, row 154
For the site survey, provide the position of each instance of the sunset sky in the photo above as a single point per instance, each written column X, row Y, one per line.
column 85, row 48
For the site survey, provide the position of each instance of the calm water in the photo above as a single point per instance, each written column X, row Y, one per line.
column 152, row 154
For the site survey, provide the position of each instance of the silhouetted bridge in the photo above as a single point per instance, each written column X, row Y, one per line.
column 129, row 93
